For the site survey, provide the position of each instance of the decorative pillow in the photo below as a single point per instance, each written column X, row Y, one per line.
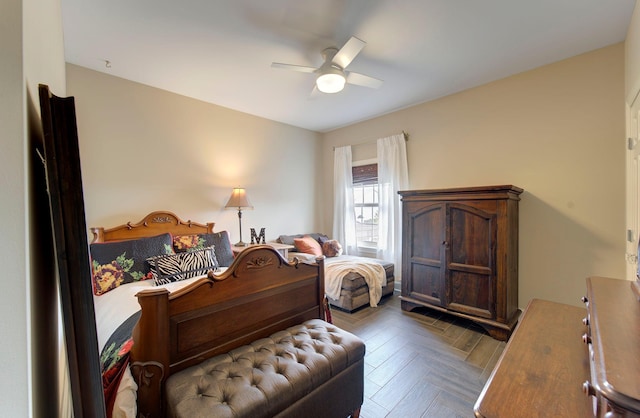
column 117, row 263
column 219, row 240
column 331, row 248
column 180, row 266
column 290, row 239
column 322, row 239
column 308, row 245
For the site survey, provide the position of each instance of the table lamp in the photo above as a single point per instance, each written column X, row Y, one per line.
column 239, row 200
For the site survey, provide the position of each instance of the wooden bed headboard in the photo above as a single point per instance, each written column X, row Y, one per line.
column 155, row 223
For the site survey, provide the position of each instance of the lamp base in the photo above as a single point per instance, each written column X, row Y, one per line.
column 240, row 244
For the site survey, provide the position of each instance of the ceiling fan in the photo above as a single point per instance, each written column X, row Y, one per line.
column 332, row 75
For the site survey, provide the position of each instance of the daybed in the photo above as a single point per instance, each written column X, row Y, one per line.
column 245, row 341
column 351, row 282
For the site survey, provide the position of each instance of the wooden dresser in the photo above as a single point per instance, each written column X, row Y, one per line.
column 565, row 361
column 460, row 254
column 613, row 338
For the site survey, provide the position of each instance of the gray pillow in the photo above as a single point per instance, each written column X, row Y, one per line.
column 289, row 239
column 121, row 262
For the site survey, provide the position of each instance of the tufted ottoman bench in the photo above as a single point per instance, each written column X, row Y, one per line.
column 314, row 369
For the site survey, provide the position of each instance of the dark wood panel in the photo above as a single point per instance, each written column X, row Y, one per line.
column 428, row 218
column 429, row 287
column 66, row 204
column 251, row 312
column 470, row 293
column 472, row 236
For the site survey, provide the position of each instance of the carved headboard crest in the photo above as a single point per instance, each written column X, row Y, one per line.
column 155, row 223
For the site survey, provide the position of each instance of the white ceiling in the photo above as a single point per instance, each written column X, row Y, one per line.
column 220, row 51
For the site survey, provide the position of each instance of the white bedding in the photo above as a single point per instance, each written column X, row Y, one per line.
column 111, row 310
column 335, row 268
column 115, row 306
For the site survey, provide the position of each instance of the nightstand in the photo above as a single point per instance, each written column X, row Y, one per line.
column 281, row 248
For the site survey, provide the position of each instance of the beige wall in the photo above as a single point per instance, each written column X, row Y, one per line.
column 556, row 131
column 632, row 57
column 13, row 356
column 43, row 50
column 32, row 53
column 146, row 149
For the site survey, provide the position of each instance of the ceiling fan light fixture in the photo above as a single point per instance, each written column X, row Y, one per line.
column 331, row 75
column 331, row 81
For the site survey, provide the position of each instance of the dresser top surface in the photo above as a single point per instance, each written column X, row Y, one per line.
column 542, row 368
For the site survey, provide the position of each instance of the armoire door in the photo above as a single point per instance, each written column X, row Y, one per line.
column 425, row 255
column 470, row 260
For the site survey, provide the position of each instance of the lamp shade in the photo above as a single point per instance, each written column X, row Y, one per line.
column 238, row 199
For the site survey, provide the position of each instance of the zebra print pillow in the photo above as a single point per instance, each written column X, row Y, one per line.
column 175, row 267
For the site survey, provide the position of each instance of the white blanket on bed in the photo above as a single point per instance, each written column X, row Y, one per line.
column 335, row 268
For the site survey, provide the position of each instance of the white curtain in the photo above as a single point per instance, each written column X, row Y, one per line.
column 344, row 217
column 393, row 176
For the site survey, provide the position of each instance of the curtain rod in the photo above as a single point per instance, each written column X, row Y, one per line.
column 406, row 138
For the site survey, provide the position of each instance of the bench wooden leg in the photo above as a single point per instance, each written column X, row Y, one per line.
column 356, row 413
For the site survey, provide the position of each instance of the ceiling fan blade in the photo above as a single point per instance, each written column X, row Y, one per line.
column 348, row 52
column 363, row 80
column 314, row 93
column 299, row 68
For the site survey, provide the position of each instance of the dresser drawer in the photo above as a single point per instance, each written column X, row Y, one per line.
column 613, row 339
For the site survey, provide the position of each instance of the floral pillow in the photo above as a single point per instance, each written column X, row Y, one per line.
column 180, row 266
column 331, row 248
column 117, row 263
column 219, row 240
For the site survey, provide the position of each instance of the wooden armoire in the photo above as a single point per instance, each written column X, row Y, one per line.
column 460, row 254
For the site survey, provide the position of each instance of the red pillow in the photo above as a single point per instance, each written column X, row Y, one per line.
column 308, row 245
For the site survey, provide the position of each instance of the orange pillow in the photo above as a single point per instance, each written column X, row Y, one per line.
column 308, row 245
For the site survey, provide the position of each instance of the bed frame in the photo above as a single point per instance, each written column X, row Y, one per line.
column 259, row 294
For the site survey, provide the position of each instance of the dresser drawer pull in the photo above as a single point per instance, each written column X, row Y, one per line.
column 585, row 321
column 586, row 338
column 588, row 389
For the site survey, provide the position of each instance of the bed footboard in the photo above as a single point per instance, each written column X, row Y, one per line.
column 261, row 293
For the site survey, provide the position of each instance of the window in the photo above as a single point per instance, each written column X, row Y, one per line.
column 365, row 199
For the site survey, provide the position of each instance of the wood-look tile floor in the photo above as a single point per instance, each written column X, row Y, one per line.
column 424, row 364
